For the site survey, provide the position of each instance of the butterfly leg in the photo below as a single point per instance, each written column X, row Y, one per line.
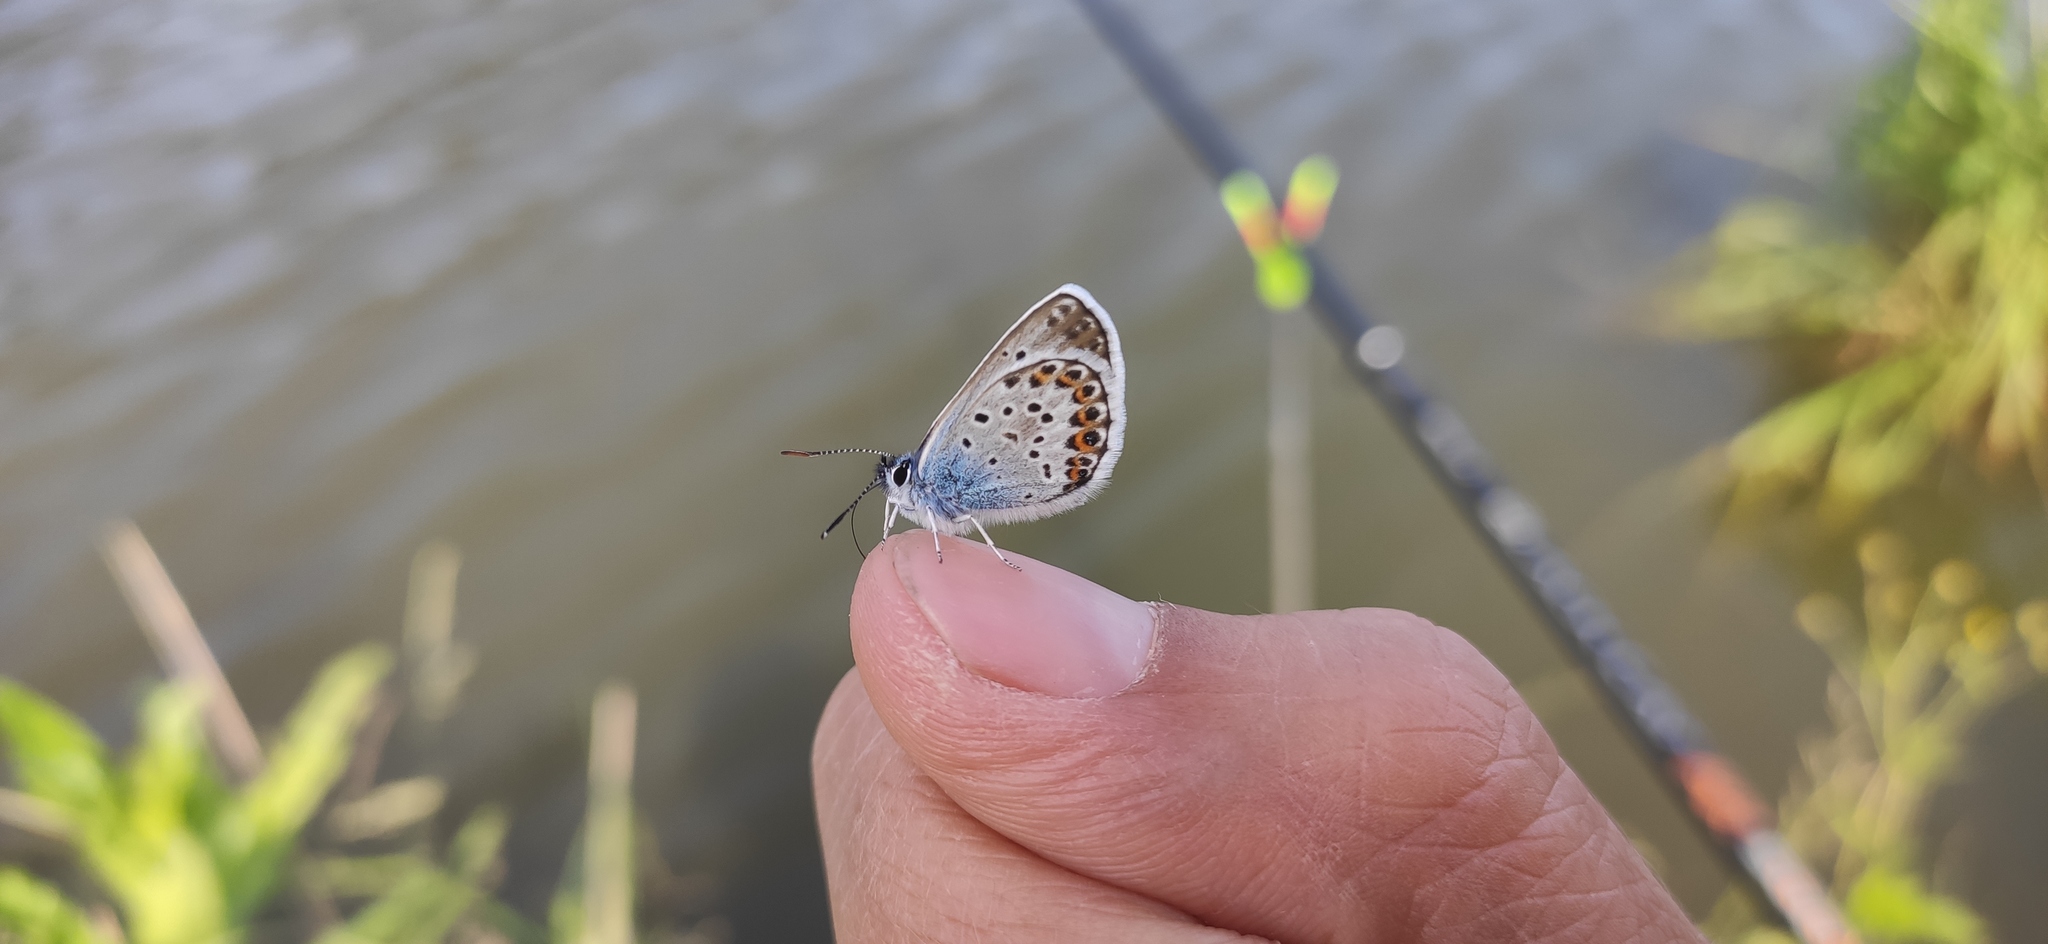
column 931, row 523
column 991, row 542
column 889, row 520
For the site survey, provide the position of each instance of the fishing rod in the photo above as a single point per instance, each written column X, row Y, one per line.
column 1718, row 798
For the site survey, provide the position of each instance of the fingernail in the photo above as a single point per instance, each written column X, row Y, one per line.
column 1042, row 630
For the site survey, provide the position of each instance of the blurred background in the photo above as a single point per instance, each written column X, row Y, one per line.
column 303, row 285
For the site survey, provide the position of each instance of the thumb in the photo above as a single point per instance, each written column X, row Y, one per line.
column 1330, row 776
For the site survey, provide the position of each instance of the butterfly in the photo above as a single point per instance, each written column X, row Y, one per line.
column 1034, row 431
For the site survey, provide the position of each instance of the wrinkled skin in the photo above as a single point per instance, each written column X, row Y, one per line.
column 1346, row 776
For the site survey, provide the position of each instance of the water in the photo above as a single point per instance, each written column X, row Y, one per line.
column 301, row 285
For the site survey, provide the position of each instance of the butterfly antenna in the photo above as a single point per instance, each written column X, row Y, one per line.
column 849, row 510
column 853, row 528
column 807, row 454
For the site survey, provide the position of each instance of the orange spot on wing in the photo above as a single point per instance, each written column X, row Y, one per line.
column 1080, row 469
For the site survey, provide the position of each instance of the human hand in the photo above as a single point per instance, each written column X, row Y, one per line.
column 1030, row 757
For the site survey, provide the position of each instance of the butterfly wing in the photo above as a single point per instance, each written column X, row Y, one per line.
column 1039, row 425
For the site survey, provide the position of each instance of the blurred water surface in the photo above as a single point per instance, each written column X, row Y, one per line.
column 300, row 285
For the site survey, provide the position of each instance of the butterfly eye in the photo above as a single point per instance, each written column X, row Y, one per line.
column 902, row 473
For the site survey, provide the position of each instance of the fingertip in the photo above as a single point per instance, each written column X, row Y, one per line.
column 1026, row 625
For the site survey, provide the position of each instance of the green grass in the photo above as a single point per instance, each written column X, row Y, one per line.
column 173, row 852
column 1918, row 662
column 186, row 858
column 1925, row 318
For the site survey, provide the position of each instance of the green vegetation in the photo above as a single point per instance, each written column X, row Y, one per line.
column 1914, row 317
column 1917, row 664
column 173, row 852
column 186, row 858
column 1926, row 323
